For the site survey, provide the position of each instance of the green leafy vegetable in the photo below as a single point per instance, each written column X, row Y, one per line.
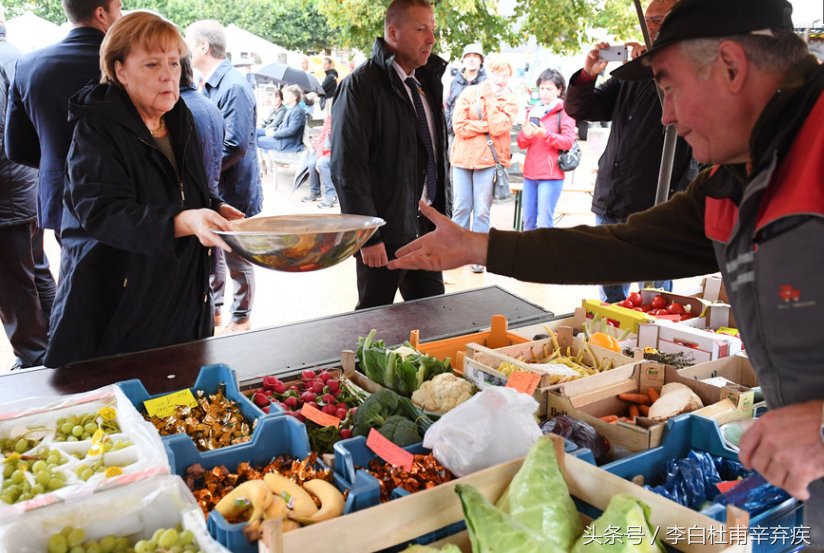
column 539, row 499
column 400, row 431
column 491, row 530
column 379, row 408
column 611, row 533
column 402, row 369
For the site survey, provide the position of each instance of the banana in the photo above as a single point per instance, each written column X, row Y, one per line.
column 277, row 509
column 298, row 501
column 331, row 502
column 254, row 494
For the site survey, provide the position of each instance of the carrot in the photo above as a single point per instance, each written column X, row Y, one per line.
column 609, row 418
column 653, row 394
column 635, row 398
column 633, row 411
column 644, row 410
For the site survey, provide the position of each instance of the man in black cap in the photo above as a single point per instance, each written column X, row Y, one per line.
column 742, row 89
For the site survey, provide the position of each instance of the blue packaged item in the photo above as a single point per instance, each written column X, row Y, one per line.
column 694, row 451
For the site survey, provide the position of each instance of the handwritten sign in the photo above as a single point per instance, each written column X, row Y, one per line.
column 389, row 452
column 524, row 382
column 318, row 416
column 164, row 406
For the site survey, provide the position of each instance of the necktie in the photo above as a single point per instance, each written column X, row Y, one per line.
column 426, row 138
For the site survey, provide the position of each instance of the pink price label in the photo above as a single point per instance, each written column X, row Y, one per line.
column 389, row 452
column 524, row 381
column 318, row 416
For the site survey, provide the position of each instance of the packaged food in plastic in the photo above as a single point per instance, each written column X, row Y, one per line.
column 579, row 432
column 134, row 512
column 56, row 449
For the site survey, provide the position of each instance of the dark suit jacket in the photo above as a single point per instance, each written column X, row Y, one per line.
column 240, row 176
column 38, row 132
column 289, row 134
column 209, row 126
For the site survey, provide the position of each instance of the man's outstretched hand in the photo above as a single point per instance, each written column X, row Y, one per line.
column 447, row 247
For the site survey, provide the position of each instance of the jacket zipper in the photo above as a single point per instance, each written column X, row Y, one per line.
column 182, row 164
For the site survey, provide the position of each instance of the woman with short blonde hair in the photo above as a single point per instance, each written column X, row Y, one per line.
column 138, row 217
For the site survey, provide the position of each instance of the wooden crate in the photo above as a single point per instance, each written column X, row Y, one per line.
column 412, row 516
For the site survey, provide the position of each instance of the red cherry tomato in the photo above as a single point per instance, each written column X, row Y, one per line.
column 637, row 309
column 646, row 307
column 675, row 308
column 625, row 303
column 659, row 302
column 635, row 298
column 657, row 312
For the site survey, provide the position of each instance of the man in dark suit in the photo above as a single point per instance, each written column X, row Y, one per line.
column 240, row 176
column 38, row 133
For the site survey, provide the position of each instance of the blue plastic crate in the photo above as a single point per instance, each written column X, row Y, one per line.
column 688, row 432
column 274, row 436
column 208, row 380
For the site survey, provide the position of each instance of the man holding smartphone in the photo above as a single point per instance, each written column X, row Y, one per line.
column 628, row 169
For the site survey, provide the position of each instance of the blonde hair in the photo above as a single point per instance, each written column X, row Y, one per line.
column 496, row 62
column 140, row 29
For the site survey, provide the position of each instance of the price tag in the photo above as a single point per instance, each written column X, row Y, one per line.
column 164, row 406
column 111, row 472
column 389, row 452
column 97, row 443
column 726, row 486
column 318, row 416
column 524, row 382
column 108, row 413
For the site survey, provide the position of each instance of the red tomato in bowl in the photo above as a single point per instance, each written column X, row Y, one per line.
column 635, row 298
column 659, row 302
column 675, row 308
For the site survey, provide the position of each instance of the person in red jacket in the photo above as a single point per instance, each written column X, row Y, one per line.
column 546, row 131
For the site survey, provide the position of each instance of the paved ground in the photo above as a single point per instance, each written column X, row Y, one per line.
column 284, row 297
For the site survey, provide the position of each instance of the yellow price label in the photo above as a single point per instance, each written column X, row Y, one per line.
column 111, row 472
column 108, row 413
column 164, row 406
column 97, row 443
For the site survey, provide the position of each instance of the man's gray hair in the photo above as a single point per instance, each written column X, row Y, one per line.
column 211, row 32
column 775, row 52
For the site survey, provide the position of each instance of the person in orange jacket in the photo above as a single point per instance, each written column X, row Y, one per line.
column 482, row 111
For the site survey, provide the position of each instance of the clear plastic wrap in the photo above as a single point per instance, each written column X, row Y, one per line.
column 138, row 451
column 133, row 511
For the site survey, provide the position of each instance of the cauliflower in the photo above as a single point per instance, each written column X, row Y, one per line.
column 442, row 393
column 405, row 351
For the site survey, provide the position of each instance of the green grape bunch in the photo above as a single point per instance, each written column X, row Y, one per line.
column 82, row 427
column 164, row 540
column 25, row 477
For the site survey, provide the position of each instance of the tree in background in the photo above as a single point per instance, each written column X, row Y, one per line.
column 563, row 26
column 293, row 24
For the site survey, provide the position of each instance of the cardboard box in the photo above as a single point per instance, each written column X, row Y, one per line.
column 709, row 313
column 670, row 337
column 597, row 396
column 735, row 368
column 577, row 320
column 621, row 317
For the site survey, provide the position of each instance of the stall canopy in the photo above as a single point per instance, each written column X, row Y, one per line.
column 29, row 32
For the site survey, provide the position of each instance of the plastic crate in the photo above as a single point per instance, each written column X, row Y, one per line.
column 688, row 432
column 454, row 348
column 274, row 436
column 208, row 380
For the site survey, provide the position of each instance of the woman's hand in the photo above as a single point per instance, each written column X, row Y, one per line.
column 200, row 223
column 229, row 212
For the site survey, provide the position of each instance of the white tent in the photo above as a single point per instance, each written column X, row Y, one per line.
column 29, row 32
column 243, row 45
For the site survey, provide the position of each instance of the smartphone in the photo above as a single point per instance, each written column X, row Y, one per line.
column 615, row 53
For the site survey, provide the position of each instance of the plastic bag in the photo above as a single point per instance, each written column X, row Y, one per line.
column 495, row 426
column 133, row 511
column 36, row 418
column 580, row 433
